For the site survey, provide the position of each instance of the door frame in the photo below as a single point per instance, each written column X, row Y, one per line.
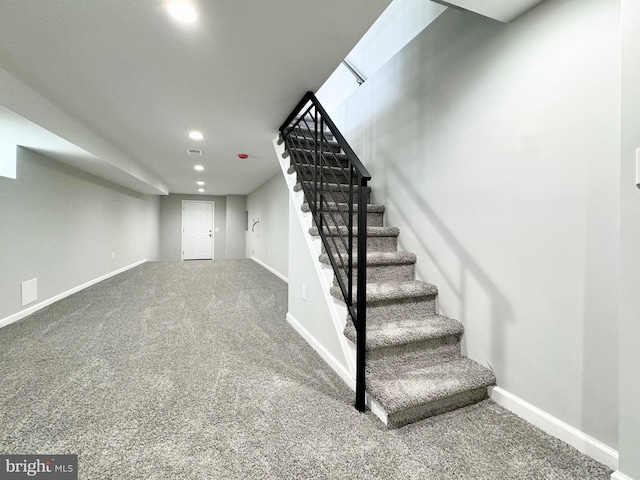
column 213, row 226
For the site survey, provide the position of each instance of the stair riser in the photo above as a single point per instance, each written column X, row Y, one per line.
column 310, row 133
column 306, row 158
column 438, row 349
column 340, row 219
column 405, row 417
column 333, row 196
column 402, row 308
column 383, row 273
column 327, row 175
column 310, row 144
column 374, row 244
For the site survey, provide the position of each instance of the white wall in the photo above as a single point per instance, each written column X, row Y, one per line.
column 171, row 225
column 312, row 311
column 311, row 315
column 229, row 225
column 236, row 226
column 268, row 240
column 495, row 149
column 61, row 226
column 630, row 253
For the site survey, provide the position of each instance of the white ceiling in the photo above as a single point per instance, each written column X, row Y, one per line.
column 120, row 84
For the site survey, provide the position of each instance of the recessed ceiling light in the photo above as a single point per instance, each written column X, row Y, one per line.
column 198, row 168
column 201, row 190
column 182, row 11
column 200, row 182
column 196, row 135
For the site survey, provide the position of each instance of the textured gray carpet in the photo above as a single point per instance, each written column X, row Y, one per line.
column 190, row 371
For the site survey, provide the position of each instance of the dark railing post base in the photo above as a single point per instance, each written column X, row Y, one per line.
column 361, row 403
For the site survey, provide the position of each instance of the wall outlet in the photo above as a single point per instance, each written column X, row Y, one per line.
column 304, row 292
column 638, row 167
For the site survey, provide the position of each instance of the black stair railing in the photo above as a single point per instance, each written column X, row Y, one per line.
column 334, row 183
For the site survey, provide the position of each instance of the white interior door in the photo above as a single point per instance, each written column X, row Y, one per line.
column 197, row 230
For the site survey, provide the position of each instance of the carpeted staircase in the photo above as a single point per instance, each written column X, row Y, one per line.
column 415, row 368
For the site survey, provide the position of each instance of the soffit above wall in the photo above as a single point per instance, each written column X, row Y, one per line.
column 501, row 10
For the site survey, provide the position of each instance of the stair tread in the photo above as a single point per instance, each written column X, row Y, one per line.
column 330, row 173
column 329, row 152
column 335, row 207
column 406, row 331
column 377, row 258
column 307, row 125
column 328, row 170
column 371, row 231
column 389, row 291
column 334, row 187
column 305, row 138
column 418, row 384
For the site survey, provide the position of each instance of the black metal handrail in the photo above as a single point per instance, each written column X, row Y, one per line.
column 334, row 182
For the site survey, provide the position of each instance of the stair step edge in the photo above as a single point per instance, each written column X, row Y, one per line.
column 406, row 332
column 341, row 207
column 377, row 258
column 329, row 186
column 305, row 148
column 436, row 382
column 371, row 231
column 420, row 412
column 389, row 291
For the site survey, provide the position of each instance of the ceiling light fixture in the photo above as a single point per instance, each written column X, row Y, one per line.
column 198, row 168
column 200, row 182
column 201, row 190
column 196, row 135
column 182, row 11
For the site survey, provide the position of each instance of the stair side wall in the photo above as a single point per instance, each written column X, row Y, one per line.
column 318, row 317
column 502, row 173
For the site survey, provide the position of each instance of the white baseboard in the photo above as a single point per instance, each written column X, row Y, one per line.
column 39, row 306
column 618, row 475
column 557, row 428
column 327, row 356
column 272, row 270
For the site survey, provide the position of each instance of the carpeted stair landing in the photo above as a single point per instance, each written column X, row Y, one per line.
column 415, row 368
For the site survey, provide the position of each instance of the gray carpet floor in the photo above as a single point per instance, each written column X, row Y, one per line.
column 190, row 371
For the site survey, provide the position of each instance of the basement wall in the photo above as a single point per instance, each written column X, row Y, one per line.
column 630, row 254
column 171, row 225
column 62, row 226
column 496, row 150
column 236, row 226
column 268, row 240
